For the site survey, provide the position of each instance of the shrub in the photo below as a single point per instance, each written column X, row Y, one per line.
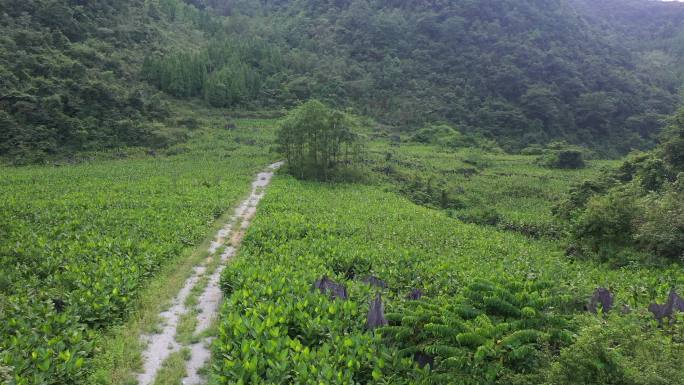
column 624, row 350
column 533, row 149
column 316, row 140
column 441, row 134
column 605, row 225
column 673, row 142
column 576, row 200
column 481, row 216
column 636, row 207
column 662, row 229
column 563, row 159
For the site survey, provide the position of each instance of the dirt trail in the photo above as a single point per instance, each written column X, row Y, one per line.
column 161, row 345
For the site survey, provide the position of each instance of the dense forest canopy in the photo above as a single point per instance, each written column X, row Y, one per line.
column 519, row 71
column 84, row 75
column 70, row 73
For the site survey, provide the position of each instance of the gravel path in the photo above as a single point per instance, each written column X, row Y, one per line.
column 161, row 345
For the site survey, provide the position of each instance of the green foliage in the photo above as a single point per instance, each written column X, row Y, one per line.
column 567, row 159
column 673, row 143
column 624, row 350
column 511, row 192
column 497, row 306
column 79, row 242
column 516, row 72
column 317, row 140
column 5, row 373
column 442, row 135
column 226, row 73
column 181, row 75
column 231, row 85
column 636, row 207
column 605, row 225
column 496, row 341
column 661, row 231
column 69, row 75
column 481, row 216
column 560, row 155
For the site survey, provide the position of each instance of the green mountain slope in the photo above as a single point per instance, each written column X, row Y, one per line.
column 517, row 71
column 69, row 73
column 652, row 30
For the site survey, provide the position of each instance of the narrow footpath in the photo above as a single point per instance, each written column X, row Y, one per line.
column 200, row 297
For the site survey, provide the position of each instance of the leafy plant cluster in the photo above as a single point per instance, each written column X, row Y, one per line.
column 622, row 349
column 79, row 242
column 497, row 307
column 450, row 137
column 558, row 155
column 488, row 334
column 634, row 213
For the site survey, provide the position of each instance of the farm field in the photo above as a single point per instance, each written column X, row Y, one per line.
column 512, row 192
column 500, row 301
column 79, row 242
column 497, row 306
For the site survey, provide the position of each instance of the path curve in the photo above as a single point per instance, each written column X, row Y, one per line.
column 161, row 345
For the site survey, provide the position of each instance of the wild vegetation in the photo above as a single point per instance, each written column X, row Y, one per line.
column 454, row 212
column 494, row 306
column 477, row 182
column 636, row 212
column 78, row 242
column 77, row 76
column 518, row 72
column 70, row 75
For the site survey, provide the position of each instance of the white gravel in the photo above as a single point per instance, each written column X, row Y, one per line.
column 161, row 345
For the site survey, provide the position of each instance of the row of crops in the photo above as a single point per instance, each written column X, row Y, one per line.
column 79, row 242
column 463, row 304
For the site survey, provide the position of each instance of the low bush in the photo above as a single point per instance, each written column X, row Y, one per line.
column 440, row 134
column 481, row 216
column 622, row 350
column 633, row 213
column 661, row 230
column 563, row 159
column 606, row 224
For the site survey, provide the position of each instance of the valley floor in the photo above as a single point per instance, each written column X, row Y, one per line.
column 91, row 253
column 496, row 306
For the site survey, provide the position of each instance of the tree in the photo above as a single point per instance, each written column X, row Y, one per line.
column 316, row 140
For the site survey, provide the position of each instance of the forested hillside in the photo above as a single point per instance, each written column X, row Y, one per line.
column 652, row 30
column 520, row 72
column 70, row 73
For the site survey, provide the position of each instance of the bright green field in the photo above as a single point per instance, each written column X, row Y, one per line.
column 498, row 305
column 519, row 191
column 78, row 242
